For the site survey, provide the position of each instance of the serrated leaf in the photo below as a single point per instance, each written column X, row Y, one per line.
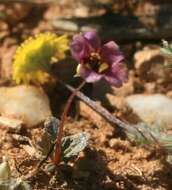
column 41, row 147
column 73, row 145
column 50, row 132
column 51, row 127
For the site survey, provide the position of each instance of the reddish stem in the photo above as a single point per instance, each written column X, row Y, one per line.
column 57, row 154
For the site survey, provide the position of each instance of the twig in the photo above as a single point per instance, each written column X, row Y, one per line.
column 99, row 109
column 114, row 121
column 135, row 130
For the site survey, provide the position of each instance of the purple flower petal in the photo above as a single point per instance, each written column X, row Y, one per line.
column 110, row 53
column 89, row 75
column 93, row 39
column 119, row 71
column 86, row 49
column 113, row 81
column 80, row 48
column 117, row 76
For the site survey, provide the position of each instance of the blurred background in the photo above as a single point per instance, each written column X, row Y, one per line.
column 132, row 23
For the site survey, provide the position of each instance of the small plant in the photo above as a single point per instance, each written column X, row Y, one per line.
column 96, row 61
column 166, row 50
column 34, row 58
column 71, row 145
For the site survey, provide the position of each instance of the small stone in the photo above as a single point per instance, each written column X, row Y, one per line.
column 153, row 109
column 65, row 25
column 26, row 103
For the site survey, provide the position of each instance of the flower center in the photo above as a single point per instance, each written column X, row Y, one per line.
column 95, row 63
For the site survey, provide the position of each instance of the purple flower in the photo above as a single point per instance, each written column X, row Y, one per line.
column 98, row 61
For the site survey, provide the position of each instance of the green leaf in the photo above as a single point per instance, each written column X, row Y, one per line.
column 51, row 127
column 50, row 130
column 166, row 51
column 73, row 145
column 151, row 134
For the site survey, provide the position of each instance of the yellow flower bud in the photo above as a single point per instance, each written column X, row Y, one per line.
column 33, row 59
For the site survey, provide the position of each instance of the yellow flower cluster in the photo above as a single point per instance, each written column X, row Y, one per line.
column 33, row 59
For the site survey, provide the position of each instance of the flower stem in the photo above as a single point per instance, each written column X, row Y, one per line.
column 57, row 154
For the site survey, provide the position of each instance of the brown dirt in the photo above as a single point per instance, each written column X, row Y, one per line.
column 109, row 162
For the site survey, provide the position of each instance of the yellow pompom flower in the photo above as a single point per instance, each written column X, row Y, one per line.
column 33, row 59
